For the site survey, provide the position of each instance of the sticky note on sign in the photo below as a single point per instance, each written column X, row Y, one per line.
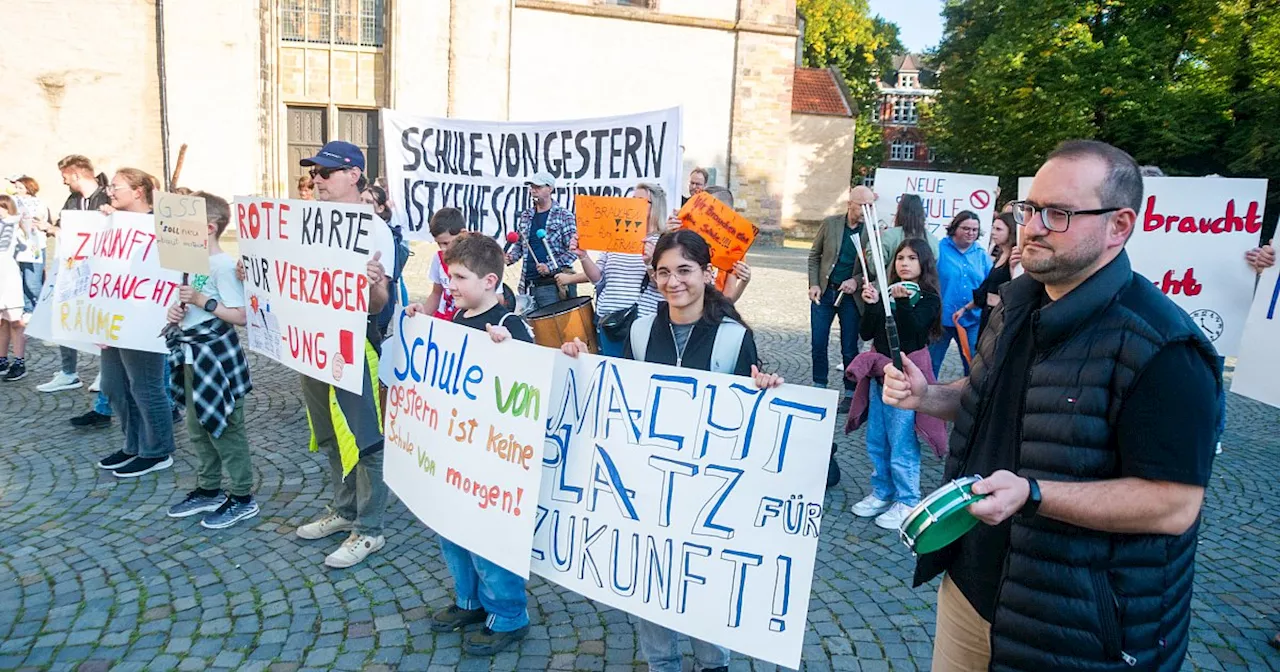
column 611, row 224
column 728, row 233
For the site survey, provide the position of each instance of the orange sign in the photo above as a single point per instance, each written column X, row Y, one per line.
column 611, row 224
column 729, row 234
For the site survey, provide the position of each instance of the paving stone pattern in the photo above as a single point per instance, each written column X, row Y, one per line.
column 94, row 576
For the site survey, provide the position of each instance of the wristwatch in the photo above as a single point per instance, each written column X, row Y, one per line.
column 212, row 305
column 1029, row 509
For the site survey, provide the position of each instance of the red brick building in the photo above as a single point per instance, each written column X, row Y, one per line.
column 902, row 95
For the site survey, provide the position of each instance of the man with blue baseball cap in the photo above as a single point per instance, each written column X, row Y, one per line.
column 341, row 421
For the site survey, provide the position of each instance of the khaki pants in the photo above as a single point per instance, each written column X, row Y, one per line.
column 962, row 640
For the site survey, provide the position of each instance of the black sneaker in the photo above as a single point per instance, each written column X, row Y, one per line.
column 143, row 465
column 486, row 642
column 833, row 469
column 456, row 618
column 92, row 420
column 4, row 366
column 17, row 371
column 115, row 460
column 231, row 512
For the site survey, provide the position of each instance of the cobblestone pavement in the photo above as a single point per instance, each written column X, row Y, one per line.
column 93, row 576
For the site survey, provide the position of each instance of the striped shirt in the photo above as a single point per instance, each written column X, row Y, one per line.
column 621, row 276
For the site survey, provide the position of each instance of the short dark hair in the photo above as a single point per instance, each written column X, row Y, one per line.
column 78, row 162
column 479, row 253
column 1122, row 187
column 448, row 220
column 962, row 217
column 216, row 210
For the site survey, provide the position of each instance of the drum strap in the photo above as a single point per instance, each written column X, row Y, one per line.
column 724, row 352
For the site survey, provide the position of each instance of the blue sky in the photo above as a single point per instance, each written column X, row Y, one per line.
column 919, row 20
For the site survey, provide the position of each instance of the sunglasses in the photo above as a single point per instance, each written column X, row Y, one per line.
column 324, row 173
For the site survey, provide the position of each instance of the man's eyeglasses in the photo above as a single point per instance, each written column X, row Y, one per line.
column 1057, row 220
column 324, row 173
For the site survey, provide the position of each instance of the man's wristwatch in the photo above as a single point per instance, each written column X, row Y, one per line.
column 212, row 305
column 1029, row 509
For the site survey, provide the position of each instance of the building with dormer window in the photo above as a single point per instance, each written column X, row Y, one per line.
column 903, row 93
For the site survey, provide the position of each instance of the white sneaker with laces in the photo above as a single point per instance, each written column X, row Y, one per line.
column 870, row 506
column 892, row 519
column 61, row 381
column 96, row 385
column 354, row 550
column 328, row 525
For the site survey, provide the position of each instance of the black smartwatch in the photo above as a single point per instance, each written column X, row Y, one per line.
column 212, row 305
column 1029, row 509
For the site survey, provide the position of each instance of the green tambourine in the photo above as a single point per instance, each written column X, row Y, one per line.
column 942, row 517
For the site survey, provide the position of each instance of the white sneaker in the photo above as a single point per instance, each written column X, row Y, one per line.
column 870, row 506
column 354, row 550
column 330, row 524
column 60, row 382
column 1218, row 449
column 892, row 519
column 96, row 386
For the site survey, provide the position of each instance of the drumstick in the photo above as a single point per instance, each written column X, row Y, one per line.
column 890, row 324
column 862, row 259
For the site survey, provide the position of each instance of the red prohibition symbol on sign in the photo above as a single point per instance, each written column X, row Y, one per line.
column 980, row 199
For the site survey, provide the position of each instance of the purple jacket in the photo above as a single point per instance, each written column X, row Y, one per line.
column 870, row 365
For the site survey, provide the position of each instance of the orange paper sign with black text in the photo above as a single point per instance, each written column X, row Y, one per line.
column 611, row 224
column 728, row 233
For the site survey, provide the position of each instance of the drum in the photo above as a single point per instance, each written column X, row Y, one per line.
column 564, row 321
column 942, row 517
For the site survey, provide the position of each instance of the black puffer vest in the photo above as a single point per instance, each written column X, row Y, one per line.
column 1073, row 598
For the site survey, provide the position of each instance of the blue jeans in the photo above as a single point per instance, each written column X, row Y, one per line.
column 480, row 583
column 101, row 405
column 938, row 349
column 608, row 347
column 1222, row 399
column 32, row 283
column 133, row 382
column 545, row 295
column 821, row 315
column 894, row 451
column 661, row 649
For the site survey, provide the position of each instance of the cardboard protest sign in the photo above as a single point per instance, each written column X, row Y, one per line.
column 111, row 289
column 465, row 420
column 1190, row 240
column 481, row 167
column 1258, row 366
column 728, row 233
column 611, row 224
column 690, row 499
column 182, row 233
column 41, row 323
column 306, row 283
column 944, row 195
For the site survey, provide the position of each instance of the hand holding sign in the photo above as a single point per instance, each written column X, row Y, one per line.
column 610, row 224
column 728, row 233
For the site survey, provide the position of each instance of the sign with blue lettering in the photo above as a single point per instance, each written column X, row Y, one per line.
column 690, row 499
column 1258, row 367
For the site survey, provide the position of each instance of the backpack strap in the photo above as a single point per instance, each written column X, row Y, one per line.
column 727, row 346
column 641, row 328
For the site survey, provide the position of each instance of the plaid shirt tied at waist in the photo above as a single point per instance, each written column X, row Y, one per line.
column 220, row 371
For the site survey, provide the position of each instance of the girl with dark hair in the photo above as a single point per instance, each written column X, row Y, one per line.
column 962, row 266
column 697, row 328
column 891, row 432
column 1004, row 237
column 908, row 223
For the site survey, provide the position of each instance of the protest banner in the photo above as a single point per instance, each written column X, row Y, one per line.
column 1258, row 366
column 40, row 325
column 465, row 421
column 690, row 499
column 480, row 167
column 110, row 289
column 611, row 224
column 728, row 233
column 182, row 233
column 306, row 284
column 944, row 196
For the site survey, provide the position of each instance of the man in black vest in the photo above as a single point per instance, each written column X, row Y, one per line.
column 1091, row 410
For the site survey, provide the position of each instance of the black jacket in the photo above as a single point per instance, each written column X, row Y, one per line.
column 697, row 352
column 1071, row 598
column 913, row 323
column 96, row 200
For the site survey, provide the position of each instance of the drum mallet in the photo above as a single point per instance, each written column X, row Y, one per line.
column 890, row 324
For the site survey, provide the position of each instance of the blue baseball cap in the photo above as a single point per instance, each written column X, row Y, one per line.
column 337, row 154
